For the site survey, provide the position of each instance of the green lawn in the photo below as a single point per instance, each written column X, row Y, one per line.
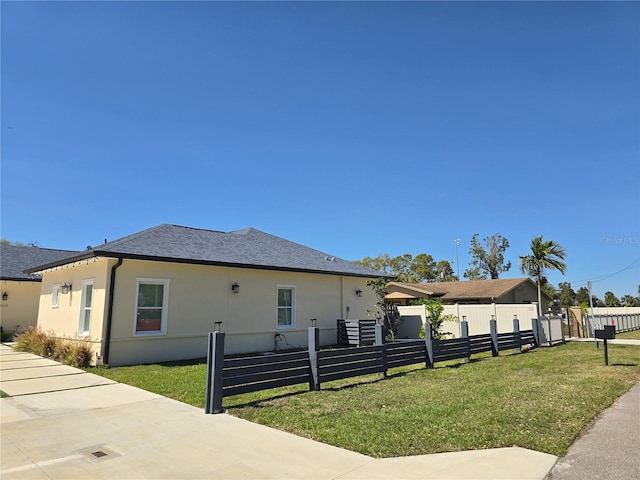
column 540, row 400
column 632, row 335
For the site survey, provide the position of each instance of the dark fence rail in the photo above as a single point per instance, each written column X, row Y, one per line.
column 244, row 375
column 406, row 353
column 232, row 376
column 350, row 362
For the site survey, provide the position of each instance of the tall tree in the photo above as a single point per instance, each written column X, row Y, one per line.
column 423, row 268
column 488, row 259
column 545, row 255
column 630, row 301
column 566, row 296
column 610, row 300
column 582, row 298
column 407, row 268
column 445, row 272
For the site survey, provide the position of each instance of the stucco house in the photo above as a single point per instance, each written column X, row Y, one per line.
column 20, row 291
column 154, row 295
column 508, row 290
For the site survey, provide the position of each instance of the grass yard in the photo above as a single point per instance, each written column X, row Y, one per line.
column 632, row 335
column 540, row 400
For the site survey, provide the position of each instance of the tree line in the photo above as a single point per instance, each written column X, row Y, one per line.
column 488, row 262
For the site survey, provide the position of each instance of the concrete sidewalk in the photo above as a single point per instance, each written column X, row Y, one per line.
column 63, row 423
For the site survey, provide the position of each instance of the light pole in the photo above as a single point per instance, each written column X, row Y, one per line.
column 457, row 241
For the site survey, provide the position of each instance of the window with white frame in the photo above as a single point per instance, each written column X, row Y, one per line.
column 286, row 306
column 86, row 307
column 151, row 306
column 55, row 295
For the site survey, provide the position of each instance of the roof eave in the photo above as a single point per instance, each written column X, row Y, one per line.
column 129, row 256
column 21, row 279
column 59, row 263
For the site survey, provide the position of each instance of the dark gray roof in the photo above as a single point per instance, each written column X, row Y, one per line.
column 15, row 260
column 248, row 248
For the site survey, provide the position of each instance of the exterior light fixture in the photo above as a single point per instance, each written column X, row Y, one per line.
column 5, row 296
column 313, row 322
column 358, row 292
column 65, row 288
column 235, row 288
column 217, row 327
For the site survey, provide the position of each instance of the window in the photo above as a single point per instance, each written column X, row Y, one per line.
column 85, row 309
column 55, row 295
column 286, row 307
column 151, row 307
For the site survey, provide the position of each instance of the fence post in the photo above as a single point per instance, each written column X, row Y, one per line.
column 215, row 364
column 536, row 332
column 314, row 346
column 428, row 341
column 493, row 326
column 379, row 334
column 464, row 333
column 383, row 350
column 516, row 334
column 550, row 331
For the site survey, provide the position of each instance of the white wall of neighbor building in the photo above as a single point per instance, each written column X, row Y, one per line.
column 614, row 310
column 477, row 316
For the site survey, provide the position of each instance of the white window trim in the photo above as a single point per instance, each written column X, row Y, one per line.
column 165, row 305
column 293, row 307
column 81, row 331
column 55, row 295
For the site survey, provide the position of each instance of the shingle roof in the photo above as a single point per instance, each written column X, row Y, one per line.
column 249, row 248
column 15, row 260
column 471, row 289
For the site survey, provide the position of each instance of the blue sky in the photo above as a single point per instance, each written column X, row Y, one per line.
column 356, row 128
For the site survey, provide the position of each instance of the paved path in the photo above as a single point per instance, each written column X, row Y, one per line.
column 63, row 423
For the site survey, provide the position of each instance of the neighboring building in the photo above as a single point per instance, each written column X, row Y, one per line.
column 154, row 295
column 508, row 290
column 20, row 291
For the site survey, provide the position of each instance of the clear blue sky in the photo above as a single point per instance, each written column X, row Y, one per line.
column 354, row 128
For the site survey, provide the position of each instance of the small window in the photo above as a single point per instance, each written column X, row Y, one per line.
column 55, row 295
column 286, row 307
column 151, row 308
column 85, row 308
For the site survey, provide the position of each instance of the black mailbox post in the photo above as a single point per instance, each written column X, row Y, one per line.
column 608, row 332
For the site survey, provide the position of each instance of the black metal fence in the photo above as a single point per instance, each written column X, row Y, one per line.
column 232, row 376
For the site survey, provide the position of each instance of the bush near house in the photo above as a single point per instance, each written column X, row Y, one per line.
column 70, row 351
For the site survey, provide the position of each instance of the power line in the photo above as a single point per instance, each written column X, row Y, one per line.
column 582, row 283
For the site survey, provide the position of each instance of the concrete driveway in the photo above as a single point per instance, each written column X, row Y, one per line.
column 63, row 423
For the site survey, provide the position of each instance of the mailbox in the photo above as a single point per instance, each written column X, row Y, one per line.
column 607, row 333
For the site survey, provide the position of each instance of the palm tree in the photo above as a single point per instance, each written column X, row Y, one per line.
column 545, row 255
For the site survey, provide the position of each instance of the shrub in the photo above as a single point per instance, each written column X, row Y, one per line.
column 75, row 352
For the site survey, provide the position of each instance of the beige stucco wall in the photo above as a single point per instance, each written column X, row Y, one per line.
column 21, row 307
column 64, row 320
column 525, row 293
column 201, row 295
